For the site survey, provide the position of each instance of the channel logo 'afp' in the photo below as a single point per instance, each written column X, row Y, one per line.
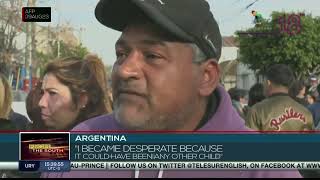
column 36, row 14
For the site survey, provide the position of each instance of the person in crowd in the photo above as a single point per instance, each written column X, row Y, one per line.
column 21, row 122
column 313, row 86
column 10, row 120
column 73, row 90
column 5, row 105
column 311, row 98
column 297, row 91
column 166, row 77
column 315, row 110
column 256, row 94
column 279, row 112
column 238, row 98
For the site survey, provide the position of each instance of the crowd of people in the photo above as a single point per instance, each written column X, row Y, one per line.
column 271, row 99
column 166, row 77
column 281, row 103
column 9, row 120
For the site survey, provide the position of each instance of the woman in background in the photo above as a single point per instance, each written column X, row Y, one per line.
column 238, row 98
column 73, row 90
column 10, row 120
column 256, row 94
column 297, row 91
column 5, row 105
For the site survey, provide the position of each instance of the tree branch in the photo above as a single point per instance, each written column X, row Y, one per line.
column 316, row 69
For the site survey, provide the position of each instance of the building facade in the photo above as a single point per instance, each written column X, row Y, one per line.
column 234, row 73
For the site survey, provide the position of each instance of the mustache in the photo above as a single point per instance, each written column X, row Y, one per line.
column 129, row 89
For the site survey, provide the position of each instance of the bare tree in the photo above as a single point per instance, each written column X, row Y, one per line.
column 9, row 30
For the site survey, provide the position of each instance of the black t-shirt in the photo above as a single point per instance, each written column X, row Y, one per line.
column 211, row 109
column 6, row 124
column 20, row 121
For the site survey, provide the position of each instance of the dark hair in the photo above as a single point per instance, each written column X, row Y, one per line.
column 33, row 108
column 84, row 75
column 296, row 87
column 256, row 94
column 236, row 93
column 318, row 88
column 253, row 11
column 280, row 74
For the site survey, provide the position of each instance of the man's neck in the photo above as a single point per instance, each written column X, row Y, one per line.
column 207, row 111
column 195, row 119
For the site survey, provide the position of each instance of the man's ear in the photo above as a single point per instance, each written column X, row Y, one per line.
column 209, row 77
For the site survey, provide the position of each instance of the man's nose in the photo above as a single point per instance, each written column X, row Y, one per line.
column 130, row 67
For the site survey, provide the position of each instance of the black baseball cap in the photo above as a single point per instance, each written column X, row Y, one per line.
column 189, row 20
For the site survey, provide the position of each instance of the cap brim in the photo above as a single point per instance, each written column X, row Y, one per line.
column 117, row 14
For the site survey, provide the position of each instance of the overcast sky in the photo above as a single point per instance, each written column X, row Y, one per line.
column 230, row 14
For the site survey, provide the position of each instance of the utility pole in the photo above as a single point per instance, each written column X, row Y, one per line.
column 30, row 40
column 32, row 53
column 58, row 29
column 27, row 49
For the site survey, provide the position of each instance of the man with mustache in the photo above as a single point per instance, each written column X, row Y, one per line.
column 166, row 77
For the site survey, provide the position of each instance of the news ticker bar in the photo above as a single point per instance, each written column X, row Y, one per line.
column 193, row 165
column 165, row 147
column 87, row 166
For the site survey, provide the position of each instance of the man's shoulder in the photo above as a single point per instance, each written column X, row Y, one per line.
column 301, row 107
column 7, row 125
column 261, row 105
column 276, row 101
column 103, row 122
column 18, row 118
